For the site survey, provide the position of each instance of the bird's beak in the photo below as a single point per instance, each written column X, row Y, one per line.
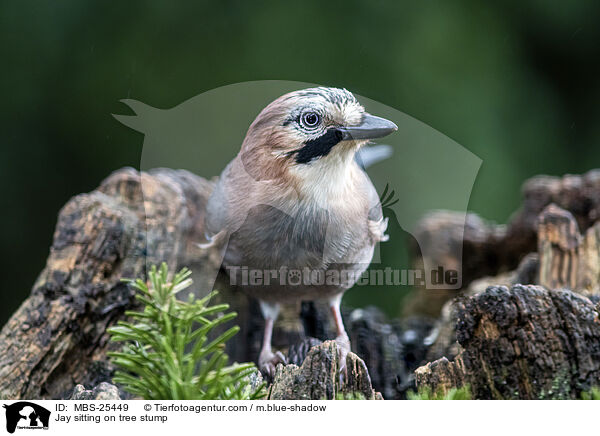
column 371, row 127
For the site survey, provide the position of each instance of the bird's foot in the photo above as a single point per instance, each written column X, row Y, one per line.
column 268, row 361
column 343, row 343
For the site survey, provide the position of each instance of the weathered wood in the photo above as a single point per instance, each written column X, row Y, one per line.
column 57, row 338
column 523, row 342
column 318, row 378
column 104, row 391
column 490, row 249
column 567, row 258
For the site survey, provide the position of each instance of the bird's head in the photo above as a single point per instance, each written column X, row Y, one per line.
column 317, row 128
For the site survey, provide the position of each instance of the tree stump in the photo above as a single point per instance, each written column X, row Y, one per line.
column 317, row 378
column 523, row 342
column 490, row 249
column 57, row 338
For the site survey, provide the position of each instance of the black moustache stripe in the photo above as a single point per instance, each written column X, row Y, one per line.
column 318, row 147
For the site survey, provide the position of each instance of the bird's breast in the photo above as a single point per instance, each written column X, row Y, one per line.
column 306, row 236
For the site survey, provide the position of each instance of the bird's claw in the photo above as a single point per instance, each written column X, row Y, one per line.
column 343, row 349
column 268, row 361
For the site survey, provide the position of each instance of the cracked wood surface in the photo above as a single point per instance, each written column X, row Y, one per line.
column 57, row 337
column 523, row 342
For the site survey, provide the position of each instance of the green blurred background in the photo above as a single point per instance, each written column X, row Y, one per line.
column 514, row 82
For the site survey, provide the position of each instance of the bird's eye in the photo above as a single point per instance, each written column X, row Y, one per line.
column 310, row 120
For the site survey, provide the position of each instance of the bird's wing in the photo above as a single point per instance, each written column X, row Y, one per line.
column 377, row 224
column 215, row 219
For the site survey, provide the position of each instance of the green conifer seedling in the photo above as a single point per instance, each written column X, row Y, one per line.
column 167, row 353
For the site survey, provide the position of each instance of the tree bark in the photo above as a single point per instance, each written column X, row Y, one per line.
column 57, row 338
column 490, row 249
column 568, row 259
column 317, row 378
column 525, row 342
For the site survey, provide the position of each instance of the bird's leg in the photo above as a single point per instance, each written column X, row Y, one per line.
column 267, row 360
column 342, row 337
